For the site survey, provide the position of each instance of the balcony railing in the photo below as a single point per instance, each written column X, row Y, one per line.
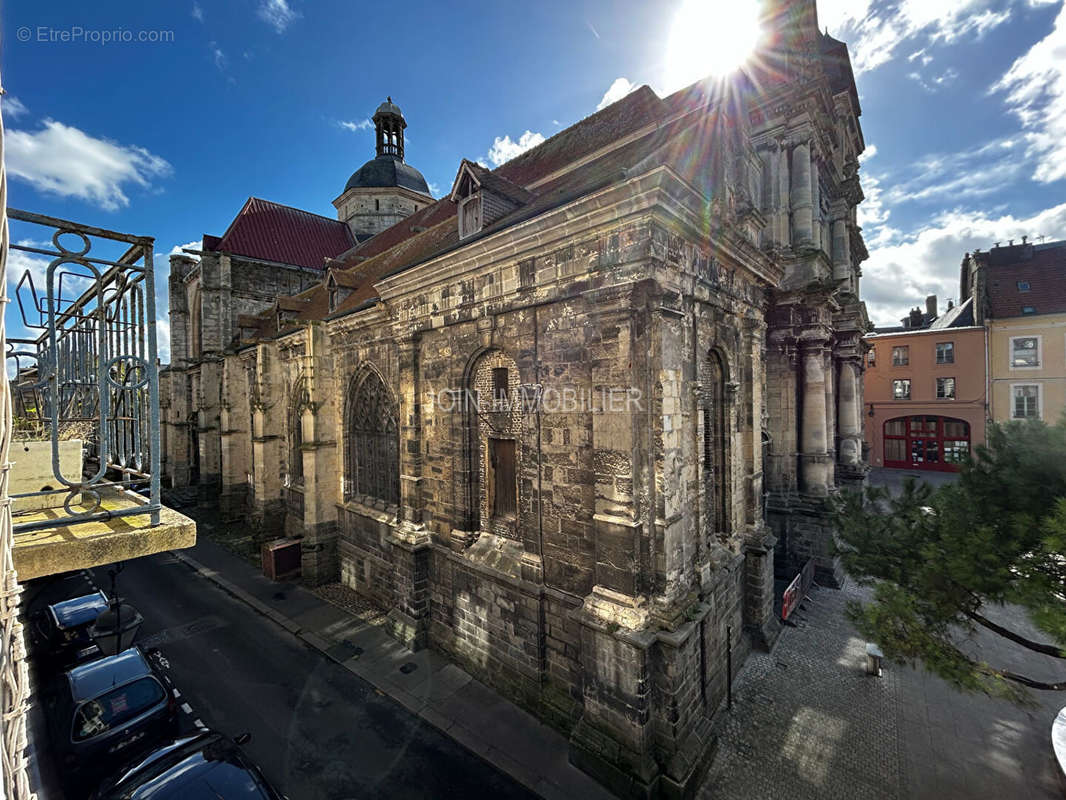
column 87, row 369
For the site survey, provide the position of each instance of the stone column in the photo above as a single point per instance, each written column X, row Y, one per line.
column 408, row 620
column 321, row 489
column 209, row 430
column 267, row 512
column 841, row 254
column 801, row 196
column 849, row 414
column 816, row 208
column 782, row 232
column 235, row 437
column 813, row 438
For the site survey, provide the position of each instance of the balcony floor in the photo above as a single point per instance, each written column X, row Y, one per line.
column 89, row 544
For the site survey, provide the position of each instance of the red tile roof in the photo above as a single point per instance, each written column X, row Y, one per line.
column 1043, row 267
column 273, row 232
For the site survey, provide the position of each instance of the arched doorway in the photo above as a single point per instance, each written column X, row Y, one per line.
column 926, row 442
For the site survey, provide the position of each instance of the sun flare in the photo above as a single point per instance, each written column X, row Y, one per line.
column 710, row 37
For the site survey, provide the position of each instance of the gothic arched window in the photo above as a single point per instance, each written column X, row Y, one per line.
column 715, row 444
column 296, row 446
column 372, row 453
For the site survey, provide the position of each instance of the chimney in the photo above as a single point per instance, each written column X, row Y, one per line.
column 951, row 304
column 930, row 306
column 1025, row 240
column 915, row 318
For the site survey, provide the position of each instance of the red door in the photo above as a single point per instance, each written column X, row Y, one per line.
column 926, row 442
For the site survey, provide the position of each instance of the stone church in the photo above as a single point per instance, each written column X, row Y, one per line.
column 567, row 422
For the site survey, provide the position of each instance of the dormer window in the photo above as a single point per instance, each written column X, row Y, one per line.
column 469, row 215
column 483, row 197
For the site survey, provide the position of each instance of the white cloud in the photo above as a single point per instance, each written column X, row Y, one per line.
column 361, row 125
column 1036, row 93
column 979, row 171
column 619, row 89
column 278, row 14
column 218, row 56
column 197, row 12
column 178, row 249
column 63, row 160
column 899, row 276
column 504, row 149
column 874, row 34
column 935, row 83
column 13, row 108
column 162, row 340
column 434, row 189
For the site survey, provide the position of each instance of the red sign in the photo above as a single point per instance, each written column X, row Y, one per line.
column 797, row 590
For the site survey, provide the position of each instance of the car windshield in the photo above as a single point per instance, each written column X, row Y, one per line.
column 111, row 710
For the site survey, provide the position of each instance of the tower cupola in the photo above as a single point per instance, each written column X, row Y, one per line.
column 389, row 123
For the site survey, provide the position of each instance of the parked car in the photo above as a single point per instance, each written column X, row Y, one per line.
column 61, row 632
column 105, row 712
column 204, row 766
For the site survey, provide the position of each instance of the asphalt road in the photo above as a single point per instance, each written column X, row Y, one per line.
column 318, row 731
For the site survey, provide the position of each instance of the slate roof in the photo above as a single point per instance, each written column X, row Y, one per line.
column 273, row 232
column 664, row 139
column 1042, row 266
column 388, row 171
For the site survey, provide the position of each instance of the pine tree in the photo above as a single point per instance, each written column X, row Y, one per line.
column 938, row 559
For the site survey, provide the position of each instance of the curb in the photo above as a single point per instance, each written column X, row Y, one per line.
column 445, row 725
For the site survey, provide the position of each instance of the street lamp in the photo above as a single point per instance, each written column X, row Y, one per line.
column 116, row 628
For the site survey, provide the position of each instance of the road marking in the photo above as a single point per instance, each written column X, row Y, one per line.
column 186, row 708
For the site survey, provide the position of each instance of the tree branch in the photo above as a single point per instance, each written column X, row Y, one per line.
column 1024, row 681
column 1029, row 644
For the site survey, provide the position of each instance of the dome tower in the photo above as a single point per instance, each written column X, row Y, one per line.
column 385, row 189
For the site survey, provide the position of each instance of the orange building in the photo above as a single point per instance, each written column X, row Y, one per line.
column 926, row 392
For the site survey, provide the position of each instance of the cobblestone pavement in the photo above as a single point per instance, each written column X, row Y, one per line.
column 807, row 722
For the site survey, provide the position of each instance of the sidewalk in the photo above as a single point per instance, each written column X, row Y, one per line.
column 425, row 683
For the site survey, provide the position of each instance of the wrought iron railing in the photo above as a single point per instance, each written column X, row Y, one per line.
column 91, row 372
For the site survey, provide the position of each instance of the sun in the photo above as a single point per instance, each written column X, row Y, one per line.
column 710, row 37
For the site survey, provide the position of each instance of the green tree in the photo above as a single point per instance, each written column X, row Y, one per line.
column 938, row 559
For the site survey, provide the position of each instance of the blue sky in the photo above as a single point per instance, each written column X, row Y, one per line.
column 964, row 109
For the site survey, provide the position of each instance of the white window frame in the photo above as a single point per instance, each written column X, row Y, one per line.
column 910, row 388
column 936, row 360
column 1039, row 400
column 954, row 387
column 1039, row 352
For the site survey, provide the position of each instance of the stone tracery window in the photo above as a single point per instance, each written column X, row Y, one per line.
column 371, row 453
column 715, row 444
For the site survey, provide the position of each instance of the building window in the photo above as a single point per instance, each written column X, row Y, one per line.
column 504, row 491
column 296, row 447
column 715, row 442
column 1026, row 401
column 499, row 388
column 1023, row 286
column 945, row 388
column 1028, row 309
column 1024, row 352
column 372, row 451
column 871, row 357
column 945, row 353
column 901, row 356
column 901, row 389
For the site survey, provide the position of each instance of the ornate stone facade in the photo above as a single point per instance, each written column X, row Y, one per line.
column 658, row 313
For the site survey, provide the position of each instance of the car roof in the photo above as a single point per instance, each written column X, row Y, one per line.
column 207, row 767
column 93, row 679
column 79, row 610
